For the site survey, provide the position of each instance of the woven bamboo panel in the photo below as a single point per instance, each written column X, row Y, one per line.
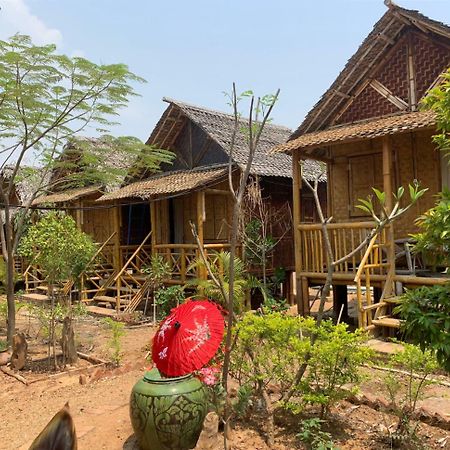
column 430, row 61
column 367, row 104
column 394, row 73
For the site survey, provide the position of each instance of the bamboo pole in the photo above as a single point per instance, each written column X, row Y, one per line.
column 296, row 211
column 387, row 187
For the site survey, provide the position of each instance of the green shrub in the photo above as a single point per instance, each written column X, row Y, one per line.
column 434, row 239
column 313, row 436
column 269, row 348
column 405, row 389
column 117, row 330
column 426, row 312
column 335, row 361
column 167, row 298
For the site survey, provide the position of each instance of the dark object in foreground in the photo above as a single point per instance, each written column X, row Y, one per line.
column 59, row 434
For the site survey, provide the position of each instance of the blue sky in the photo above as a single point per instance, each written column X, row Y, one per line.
column 194, row 50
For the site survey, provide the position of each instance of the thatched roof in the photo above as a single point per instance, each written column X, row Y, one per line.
column 68, row 195
column 170, row 184
column 219, row 126
column 369, row 54
column 104, row 157
column 27, row 181
column 367, row 129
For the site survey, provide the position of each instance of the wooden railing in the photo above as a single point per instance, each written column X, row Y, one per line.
column 181, row 256
column 130, row 280
column 373, row 261
column 97, row 270
column 344, row 237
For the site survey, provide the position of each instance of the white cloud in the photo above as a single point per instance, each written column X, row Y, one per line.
column 16, row 17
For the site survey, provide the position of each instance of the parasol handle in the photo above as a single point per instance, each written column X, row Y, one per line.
column 177, row 325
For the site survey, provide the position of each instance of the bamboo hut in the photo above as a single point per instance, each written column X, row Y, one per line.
column 369, row 130
column 196, row 189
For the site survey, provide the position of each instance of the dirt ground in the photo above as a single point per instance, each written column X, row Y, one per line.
column 99, row 403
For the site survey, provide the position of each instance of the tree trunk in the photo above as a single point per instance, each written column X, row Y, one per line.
column 11, row 319
column 68, row 342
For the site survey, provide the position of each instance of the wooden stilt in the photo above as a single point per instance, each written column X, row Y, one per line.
column 340, row 300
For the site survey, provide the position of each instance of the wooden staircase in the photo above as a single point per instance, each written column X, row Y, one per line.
column 376, row 315
column 124, row 290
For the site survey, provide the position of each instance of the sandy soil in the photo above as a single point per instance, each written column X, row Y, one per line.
column 100, row 405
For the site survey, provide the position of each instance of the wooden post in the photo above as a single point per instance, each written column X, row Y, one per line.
column 79, row 215
column 116, row 251
column 302, row 303
column 153, row 225
column 387, row 187
column 201, row 216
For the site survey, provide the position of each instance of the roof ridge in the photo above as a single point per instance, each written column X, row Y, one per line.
column 182, row 105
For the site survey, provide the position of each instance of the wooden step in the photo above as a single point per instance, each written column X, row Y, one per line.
column 389, row 322
column 43, row 288
column 35, row 298
column 99, row 311
column 107, row 300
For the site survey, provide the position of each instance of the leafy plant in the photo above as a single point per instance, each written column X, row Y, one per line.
column 312, row 435
column 3, row 345
column 117, row 330
column 258, row 246
column 268, row 347
column 405, row 390
column 157, row 270
column 438, row 99
column 335, row 362
column 426, row 315
column 220, row 264
column 167, row 298
column 434, row 239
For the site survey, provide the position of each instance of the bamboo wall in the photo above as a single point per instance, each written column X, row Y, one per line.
column 356, row 167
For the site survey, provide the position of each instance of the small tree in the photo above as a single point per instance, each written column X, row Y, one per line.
column 258, row 223
column 62, row 252
column 46, row 98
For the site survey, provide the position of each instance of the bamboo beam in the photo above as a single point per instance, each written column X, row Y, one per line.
column 116, row 226
column 201, row 217
column 217, row 192
column 302, row 304
column 411, row 77
column 388, row 95
column 153, row 225
column 79, row 215
column 387, row 187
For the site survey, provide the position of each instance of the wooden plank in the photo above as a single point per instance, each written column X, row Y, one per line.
column 339, row 225
column 99, row 311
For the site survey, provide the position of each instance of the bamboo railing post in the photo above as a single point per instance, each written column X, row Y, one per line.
column 302, row 303
column 183, row 265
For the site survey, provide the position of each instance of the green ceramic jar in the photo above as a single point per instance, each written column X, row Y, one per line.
column 167, row 413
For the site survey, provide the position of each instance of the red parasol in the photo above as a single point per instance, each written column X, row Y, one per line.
column 188, row 338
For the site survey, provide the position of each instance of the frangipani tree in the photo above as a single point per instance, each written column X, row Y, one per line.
column 45, row 100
